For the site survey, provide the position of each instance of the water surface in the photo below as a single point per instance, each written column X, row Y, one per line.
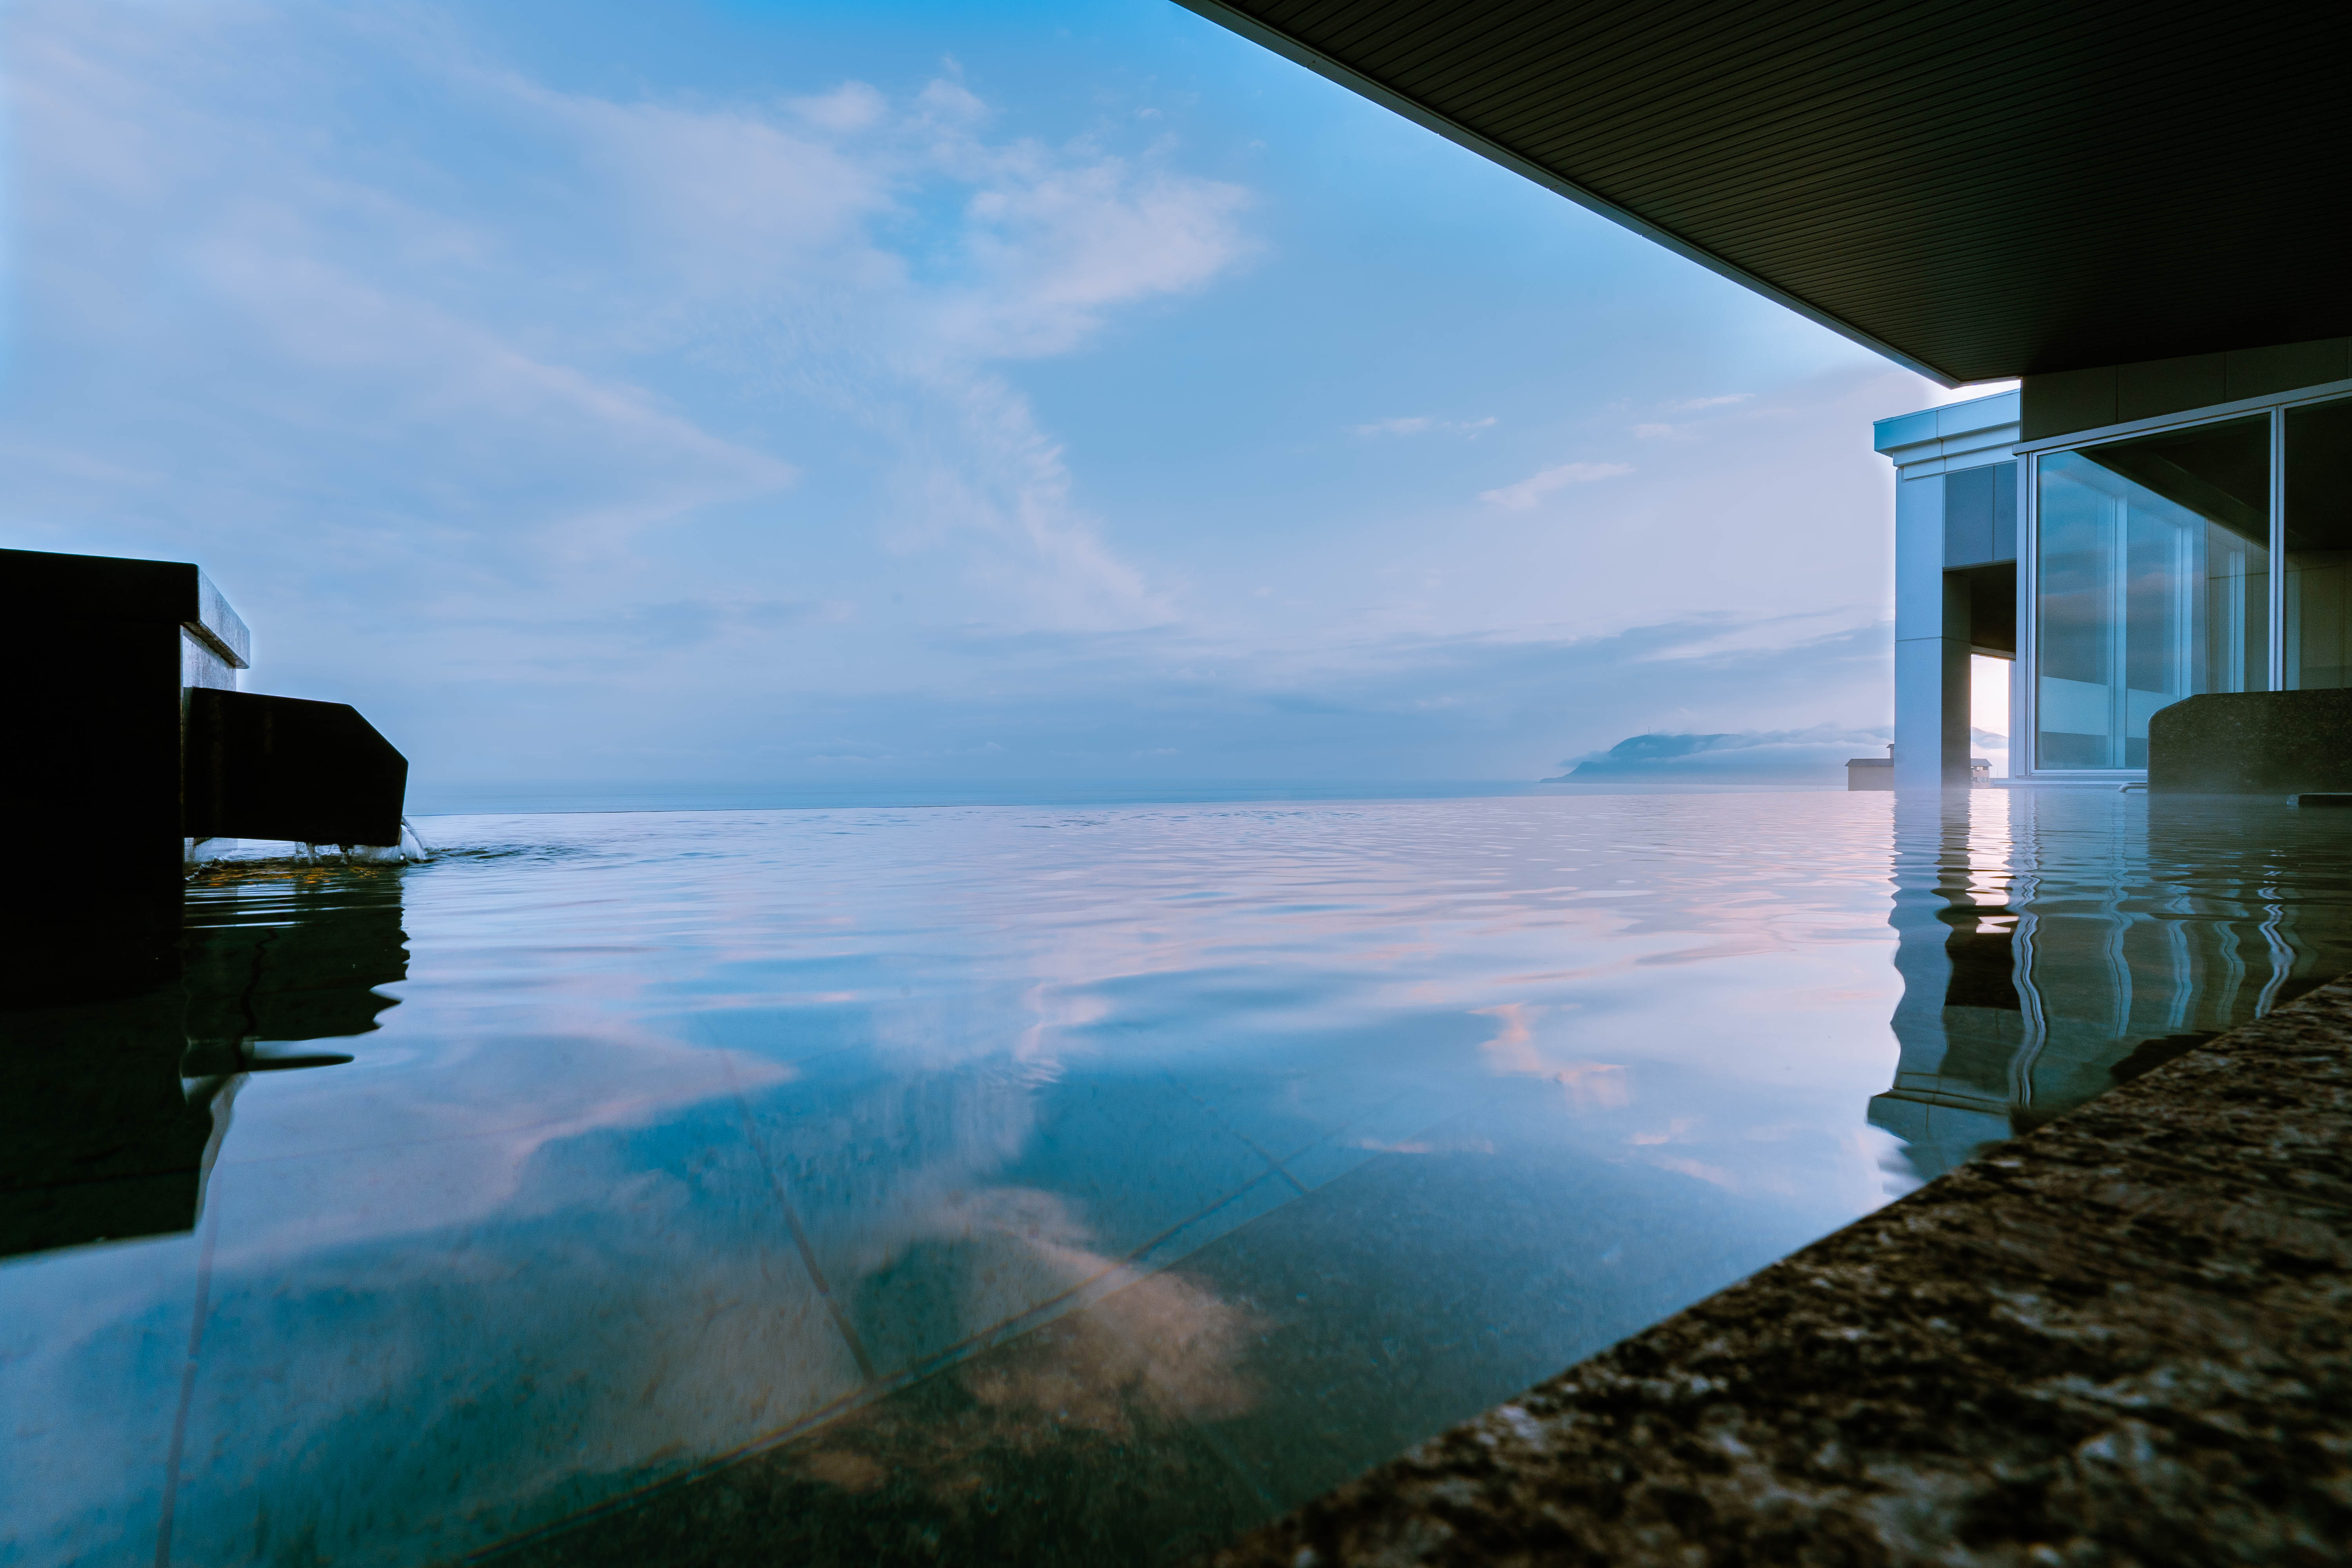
column 1019, row 1183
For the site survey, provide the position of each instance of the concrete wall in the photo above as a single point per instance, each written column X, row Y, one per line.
column 2075, row 400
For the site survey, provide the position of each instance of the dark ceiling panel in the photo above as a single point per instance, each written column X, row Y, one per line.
column 1979, row 190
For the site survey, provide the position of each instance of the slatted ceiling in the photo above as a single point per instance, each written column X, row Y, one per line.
column 1669, row 210
column 1982, row 191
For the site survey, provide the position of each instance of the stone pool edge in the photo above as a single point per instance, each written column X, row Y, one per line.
column 2125, row 1336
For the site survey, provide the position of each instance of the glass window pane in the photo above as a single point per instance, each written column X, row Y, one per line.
column 2153, row 585
column 2319, row 545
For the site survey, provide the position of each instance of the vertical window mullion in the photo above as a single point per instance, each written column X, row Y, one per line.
column 2119, row 633
column 2278, row 681
column 2191, row 655
column 2025, row 690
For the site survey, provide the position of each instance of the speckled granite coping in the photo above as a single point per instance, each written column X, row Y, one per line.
column 2123, row 1339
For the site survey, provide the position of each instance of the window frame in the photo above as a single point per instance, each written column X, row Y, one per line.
column 2024, row 718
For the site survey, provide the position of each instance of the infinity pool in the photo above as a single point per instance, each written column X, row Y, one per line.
column 1019, row 1184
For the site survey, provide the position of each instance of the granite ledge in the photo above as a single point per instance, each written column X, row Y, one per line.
column 2126, row 1339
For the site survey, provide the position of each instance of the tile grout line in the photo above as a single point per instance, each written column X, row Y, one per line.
column 1123, row 1271
column 188, row 1389
column 1245, row 1139
column 834, row 1309
column 856, row 1399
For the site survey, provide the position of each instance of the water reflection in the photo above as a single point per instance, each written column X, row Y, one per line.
column 2053, row 944
column 1013, row 1184
column 123, row 1078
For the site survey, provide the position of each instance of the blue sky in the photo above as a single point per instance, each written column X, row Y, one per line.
column 845, row 397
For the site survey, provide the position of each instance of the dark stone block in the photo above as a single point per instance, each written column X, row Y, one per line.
column 91, row 726
column 281, row 767
column 92, row 784
column 46, row 588
column 2253, row 743
column 122, row 661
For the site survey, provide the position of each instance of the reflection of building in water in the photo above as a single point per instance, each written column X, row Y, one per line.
column 2054, row 944
column 117, row 1103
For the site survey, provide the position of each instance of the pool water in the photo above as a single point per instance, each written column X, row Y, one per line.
column 1011, row 1184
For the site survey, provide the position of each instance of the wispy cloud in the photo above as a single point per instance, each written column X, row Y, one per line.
column 1419, row 424
column 457, row 378
column 1166, row 702
column 1663, row 431
column 1535, row 487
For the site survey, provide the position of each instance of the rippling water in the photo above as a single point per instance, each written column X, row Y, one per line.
column 1020, row 1184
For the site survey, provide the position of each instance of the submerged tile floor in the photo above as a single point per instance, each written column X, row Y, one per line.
column 1017, row 1184
column 1163, row 1417
column 2125, row 1338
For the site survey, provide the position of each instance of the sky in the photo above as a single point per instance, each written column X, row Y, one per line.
column 852, row 398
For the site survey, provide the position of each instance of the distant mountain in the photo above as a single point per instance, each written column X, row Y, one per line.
column 1817, row 755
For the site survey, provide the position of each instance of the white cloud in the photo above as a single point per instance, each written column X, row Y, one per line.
column 852, row 106
column 1536, row 486
column 1760, row 632
column 456, row 377
column 1693, row 404
column 1056, row 243
column 1655, row 432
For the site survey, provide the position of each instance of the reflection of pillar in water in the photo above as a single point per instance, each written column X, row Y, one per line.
column 2187, row 927
column 1961, row 1024
column 2054, row 944
column 119, row 1096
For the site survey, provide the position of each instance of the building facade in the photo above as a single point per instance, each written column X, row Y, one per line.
column 2124, row 537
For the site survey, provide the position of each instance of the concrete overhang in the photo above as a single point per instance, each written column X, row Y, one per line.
column 1979, row 192
column 1955, row 435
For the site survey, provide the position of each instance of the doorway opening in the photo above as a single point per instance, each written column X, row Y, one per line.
column 1989, row 713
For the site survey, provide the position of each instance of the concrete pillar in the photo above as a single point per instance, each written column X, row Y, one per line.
column 1931, row 645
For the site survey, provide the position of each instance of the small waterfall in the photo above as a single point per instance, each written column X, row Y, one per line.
column 411, row 850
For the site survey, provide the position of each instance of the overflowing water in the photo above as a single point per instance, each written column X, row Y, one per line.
column 1019, row 1183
